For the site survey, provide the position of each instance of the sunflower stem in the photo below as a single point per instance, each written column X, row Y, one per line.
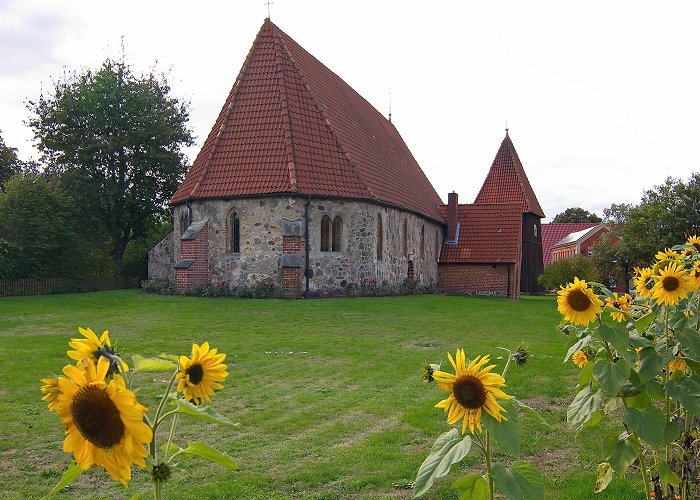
column 487, row 454
column 165, row 398
column 645, row 474
column 170, row 437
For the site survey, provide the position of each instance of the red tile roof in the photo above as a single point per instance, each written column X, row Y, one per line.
column 506, row 182
column 290, row 125
column 488, row 234
column 553, row 233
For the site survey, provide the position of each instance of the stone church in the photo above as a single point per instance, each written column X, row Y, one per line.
column 302, row 184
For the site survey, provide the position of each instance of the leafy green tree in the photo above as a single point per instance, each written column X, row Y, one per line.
column 563, row 271
column 576, row 214
column 115, row 139
column 36, row 229
column 9, row 163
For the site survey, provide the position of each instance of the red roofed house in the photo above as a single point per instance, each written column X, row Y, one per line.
column 301, row 183
column 553, row 233
column 578, row 242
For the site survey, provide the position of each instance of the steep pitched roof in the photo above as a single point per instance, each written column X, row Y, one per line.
column 488, row 234
column 506, row 182
column 553, row 233
column 290, row 125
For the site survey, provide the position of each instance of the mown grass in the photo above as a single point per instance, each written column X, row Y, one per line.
column 328, row 392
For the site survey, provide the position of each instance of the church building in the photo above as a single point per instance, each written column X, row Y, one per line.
column 304, row 185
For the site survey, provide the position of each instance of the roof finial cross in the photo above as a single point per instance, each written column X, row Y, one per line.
column 389, row 107
column 268, row 3
column 506, row 127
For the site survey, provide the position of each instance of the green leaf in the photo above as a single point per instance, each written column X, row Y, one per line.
column 142, row 364
column 507, row 432
column 655, row 389
column 671, row 432
column 520, row 482
column 620, row 453
column 471, row 487
column 203, row 413
column 605, row 475
column 617, row 337
column 584, row 405
column 199, row 449
column 595, row 419
column 611, row 376
column 529, row 410
column 666, row 474
column 447, row 450
column 685, row 390
column 586, row 375
column 67, row 478
column 689, row 338
column 169, row 357
column 648, row 423
column 577, row 347
column 642, row 323
column 651, row 363
column 637, row 341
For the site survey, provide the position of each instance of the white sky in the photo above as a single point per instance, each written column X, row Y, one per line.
column 601, row 97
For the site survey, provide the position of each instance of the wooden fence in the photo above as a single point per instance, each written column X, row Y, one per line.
column 46, row 286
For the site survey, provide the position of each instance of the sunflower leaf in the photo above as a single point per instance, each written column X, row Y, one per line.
column 206, row 413
column 611, row 376
column 619, row 338
column 142, row 364
column 688, row 337
column 577, row 347
column 68, row 477
column 605, row 475
column 471, row 487
column 199, row 449
column 507, row 432
column 649, row 424
column 685, row 390
column 620, row 453
column 447, row 450
column 651, row 362
column 169, row 357
column 520, row 482
column 666, row 473
column 584, row 405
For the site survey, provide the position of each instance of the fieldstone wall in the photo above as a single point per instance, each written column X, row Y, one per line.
column 161, row 259
column 261, row 242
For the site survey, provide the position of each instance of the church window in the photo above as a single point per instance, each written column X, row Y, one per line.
column 422, row 242
column 337, row 234
column 534, row 226
column 325, row 233
column 235, row 239
column 184, row 221
column 380, row 237
column 405, row 238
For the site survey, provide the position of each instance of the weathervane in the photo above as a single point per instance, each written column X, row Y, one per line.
column 268, row 3
column 506, row 127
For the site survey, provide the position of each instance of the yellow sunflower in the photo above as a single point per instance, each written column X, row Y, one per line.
column 671, row 285
column 695, row 241
column 104, row 424
column 643, row 281
column 472, row 389
column 93, row 347
column 620, row 302
column 580, row 359
column 51, row 392
column 200, row 375
column 694, row 276
column 667, row 254
column 578, row 304
column 678, row 364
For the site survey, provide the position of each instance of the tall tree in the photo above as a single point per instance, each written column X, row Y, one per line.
column 576, row 214
column 115, row 139
column 9, row 163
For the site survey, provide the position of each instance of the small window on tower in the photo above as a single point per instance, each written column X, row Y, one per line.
column 235, row 240
column 535, row 229
column 325, row 233
column 337, row 234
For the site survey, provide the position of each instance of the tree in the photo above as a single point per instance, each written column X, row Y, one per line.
column 563, row 271
column 9, row 163
column 115, row 140
column 576, row 214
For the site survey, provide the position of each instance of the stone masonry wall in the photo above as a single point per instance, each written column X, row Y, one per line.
column 480, row 279
column 160, row 259
column 261, row 242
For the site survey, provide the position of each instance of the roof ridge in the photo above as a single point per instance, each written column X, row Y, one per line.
column 326, row 119
column 289, row 133
column 230, row 100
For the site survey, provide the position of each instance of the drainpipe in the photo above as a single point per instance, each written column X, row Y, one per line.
column 307, row 269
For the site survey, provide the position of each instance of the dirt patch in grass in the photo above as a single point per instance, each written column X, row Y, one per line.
column 548, row 404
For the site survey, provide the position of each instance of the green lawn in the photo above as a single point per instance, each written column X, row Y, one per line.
column 328, row 392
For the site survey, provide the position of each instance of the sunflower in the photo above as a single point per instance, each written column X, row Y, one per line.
column 667, row 254
column 200, row 375
column 671, row 285
column 622, row 303
column 103, row 421
column 472, row 389
column 678, row 364
column 580, row 359
column 694, row 276
column 694, row 241
column 51, row 392
column 95, row 348
column 643, row 281
column 578, row 303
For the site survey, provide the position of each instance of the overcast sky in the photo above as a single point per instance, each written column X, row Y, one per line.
column 601, row 97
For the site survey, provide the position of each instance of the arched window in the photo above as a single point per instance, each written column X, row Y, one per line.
column 422, row 242
column 405, row 238
column 184, row 220
column 235, row 233
column 380, row 237
column 325, row 233
column 337, row 233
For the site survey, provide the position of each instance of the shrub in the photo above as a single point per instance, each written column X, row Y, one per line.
column 563, row 271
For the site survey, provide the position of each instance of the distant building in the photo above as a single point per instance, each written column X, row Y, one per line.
column 578, row 243
column 302, row 184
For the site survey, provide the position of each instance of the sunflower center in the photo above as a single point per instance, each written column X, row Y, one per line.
column 469, row 392
column 97, row 417
column 670, row 283
column 578, row 300
column 196, row 373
